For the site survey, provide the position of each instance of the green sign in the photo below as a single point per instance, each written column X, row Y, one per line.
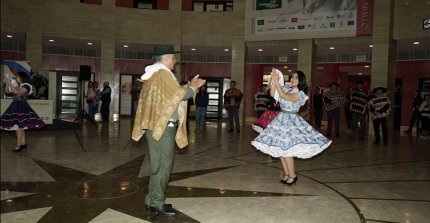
column 269, row 4
column 260, row 22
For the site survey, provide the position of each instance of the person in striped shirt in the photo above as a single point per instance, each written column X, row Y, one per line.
column 358, row 108
column 379, row 108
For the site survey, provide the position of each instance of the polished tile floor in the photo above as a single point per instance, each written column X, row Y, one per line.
column 97, row 174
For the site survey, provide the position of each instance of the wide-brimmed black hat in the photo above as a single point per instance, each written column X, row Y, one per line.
column 164, row 49
column 384, row 90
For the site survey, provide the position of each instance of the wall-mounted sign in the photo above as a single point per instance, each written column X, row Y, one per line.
column 426, row 23
column 268, row 4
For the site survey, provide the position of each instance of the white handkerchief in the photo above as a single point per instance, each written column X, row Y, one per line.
column 281, row 82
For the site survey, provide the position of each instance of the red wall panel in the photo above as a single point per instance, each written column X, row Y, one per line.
column 187, row 5
column 163, row 4
column 94, row 2
column 9, row 55
column 125, row 3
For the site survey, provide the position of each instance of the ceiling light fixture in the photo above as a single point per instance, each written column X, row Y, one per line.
column 332, row 48
column 9, row 36
column 416, row 43
column 295, row 49
column 51, row 40
column 226, row 50
column 370, row 45
column 90, row 44
column 360, row 73
column 193, row 49
column 125, row 46
column 366, row 66
column 259, row 50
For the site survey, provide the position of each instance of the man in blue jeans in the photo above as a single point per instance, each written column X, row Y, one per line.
column 232, row 99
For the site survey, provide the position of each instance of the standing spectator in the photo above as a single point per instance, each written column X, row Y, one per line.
column 91, row 100
column 425, row 114
column 358, row 107
column 19, row 115
column 379, row 108
column 261, row 100
column 105, row 97
column 333, row 102
column 135, row 92
column 97, row 99
column 161, row 117
column 190, row 103
column 232, row 99
column 415, row 112
column 318, row 107
column 202, row 101
column 347, row 110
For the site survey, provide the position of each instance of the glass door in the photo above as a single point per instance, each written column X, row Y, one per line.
column 69, row 104
column 215, row 91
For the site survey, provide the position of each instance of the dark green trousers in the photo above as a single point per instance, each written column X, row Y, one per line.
column 161, row 155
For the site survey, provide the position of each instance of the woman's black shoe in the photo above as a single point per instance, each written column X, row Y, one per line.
column 292, row 182
column 20, row 148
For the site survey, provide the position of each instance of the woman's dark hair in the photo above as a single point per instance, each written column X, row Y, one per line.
column 302, row 86
column 203, row 91
column 24, row 77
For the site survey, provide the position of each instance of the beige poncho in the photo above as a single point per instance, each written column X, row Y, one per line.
column 161, row 94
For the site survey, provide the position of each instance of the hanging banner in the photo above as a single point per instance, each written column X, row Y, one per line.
column 309, row 16
column 268, row 4
column 364, row 17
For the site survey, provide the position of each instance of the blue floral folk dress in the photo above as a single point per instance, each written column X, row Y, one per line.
column 289, row 135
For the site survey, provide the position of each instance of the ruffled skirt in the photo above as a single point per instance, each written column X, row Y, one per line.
column 19, row 115
column 289, row 135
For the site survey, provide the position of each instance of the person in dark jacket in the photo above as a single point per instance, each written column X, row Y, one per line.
column 201, row 102
column 105, row 97
column 415, row 112
column 318, row 107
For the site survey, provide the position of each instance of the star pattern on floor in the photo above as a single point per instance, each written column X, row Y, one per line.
column 76, row 196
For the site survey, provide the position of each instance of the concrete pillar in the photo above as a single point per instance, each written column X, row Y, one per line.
column 307, row 58
column 34, row 33
column 107, row 54
column 238, row 54
column 384, row 52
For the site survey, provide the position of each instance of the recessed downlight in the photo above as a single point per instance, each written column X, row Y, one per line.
column 332, row 48
column 416, row 43
column 9, row 36
column 51, row 40
column 259, row 50
column 90, row 44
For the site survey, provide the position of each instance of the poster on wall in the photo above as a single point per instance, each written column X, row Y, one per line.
column 306, row 16
column 125, row 95
column 268, row 4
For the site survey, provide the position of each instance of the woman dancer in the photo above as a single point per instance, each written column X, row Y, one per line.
column 289, row 135
column 19, row 115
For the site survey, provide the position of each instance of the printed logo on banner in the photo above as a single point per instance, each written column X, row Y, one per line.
column 281, row 28
column 332, row 24
column 260, row 22
column 293, row 19
column 268, row 4
column 351, row 23
column 271, row 21
column 318, row 18
column 330, row 17
column 292, row 27
column 301, row 27
column 323, row 26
